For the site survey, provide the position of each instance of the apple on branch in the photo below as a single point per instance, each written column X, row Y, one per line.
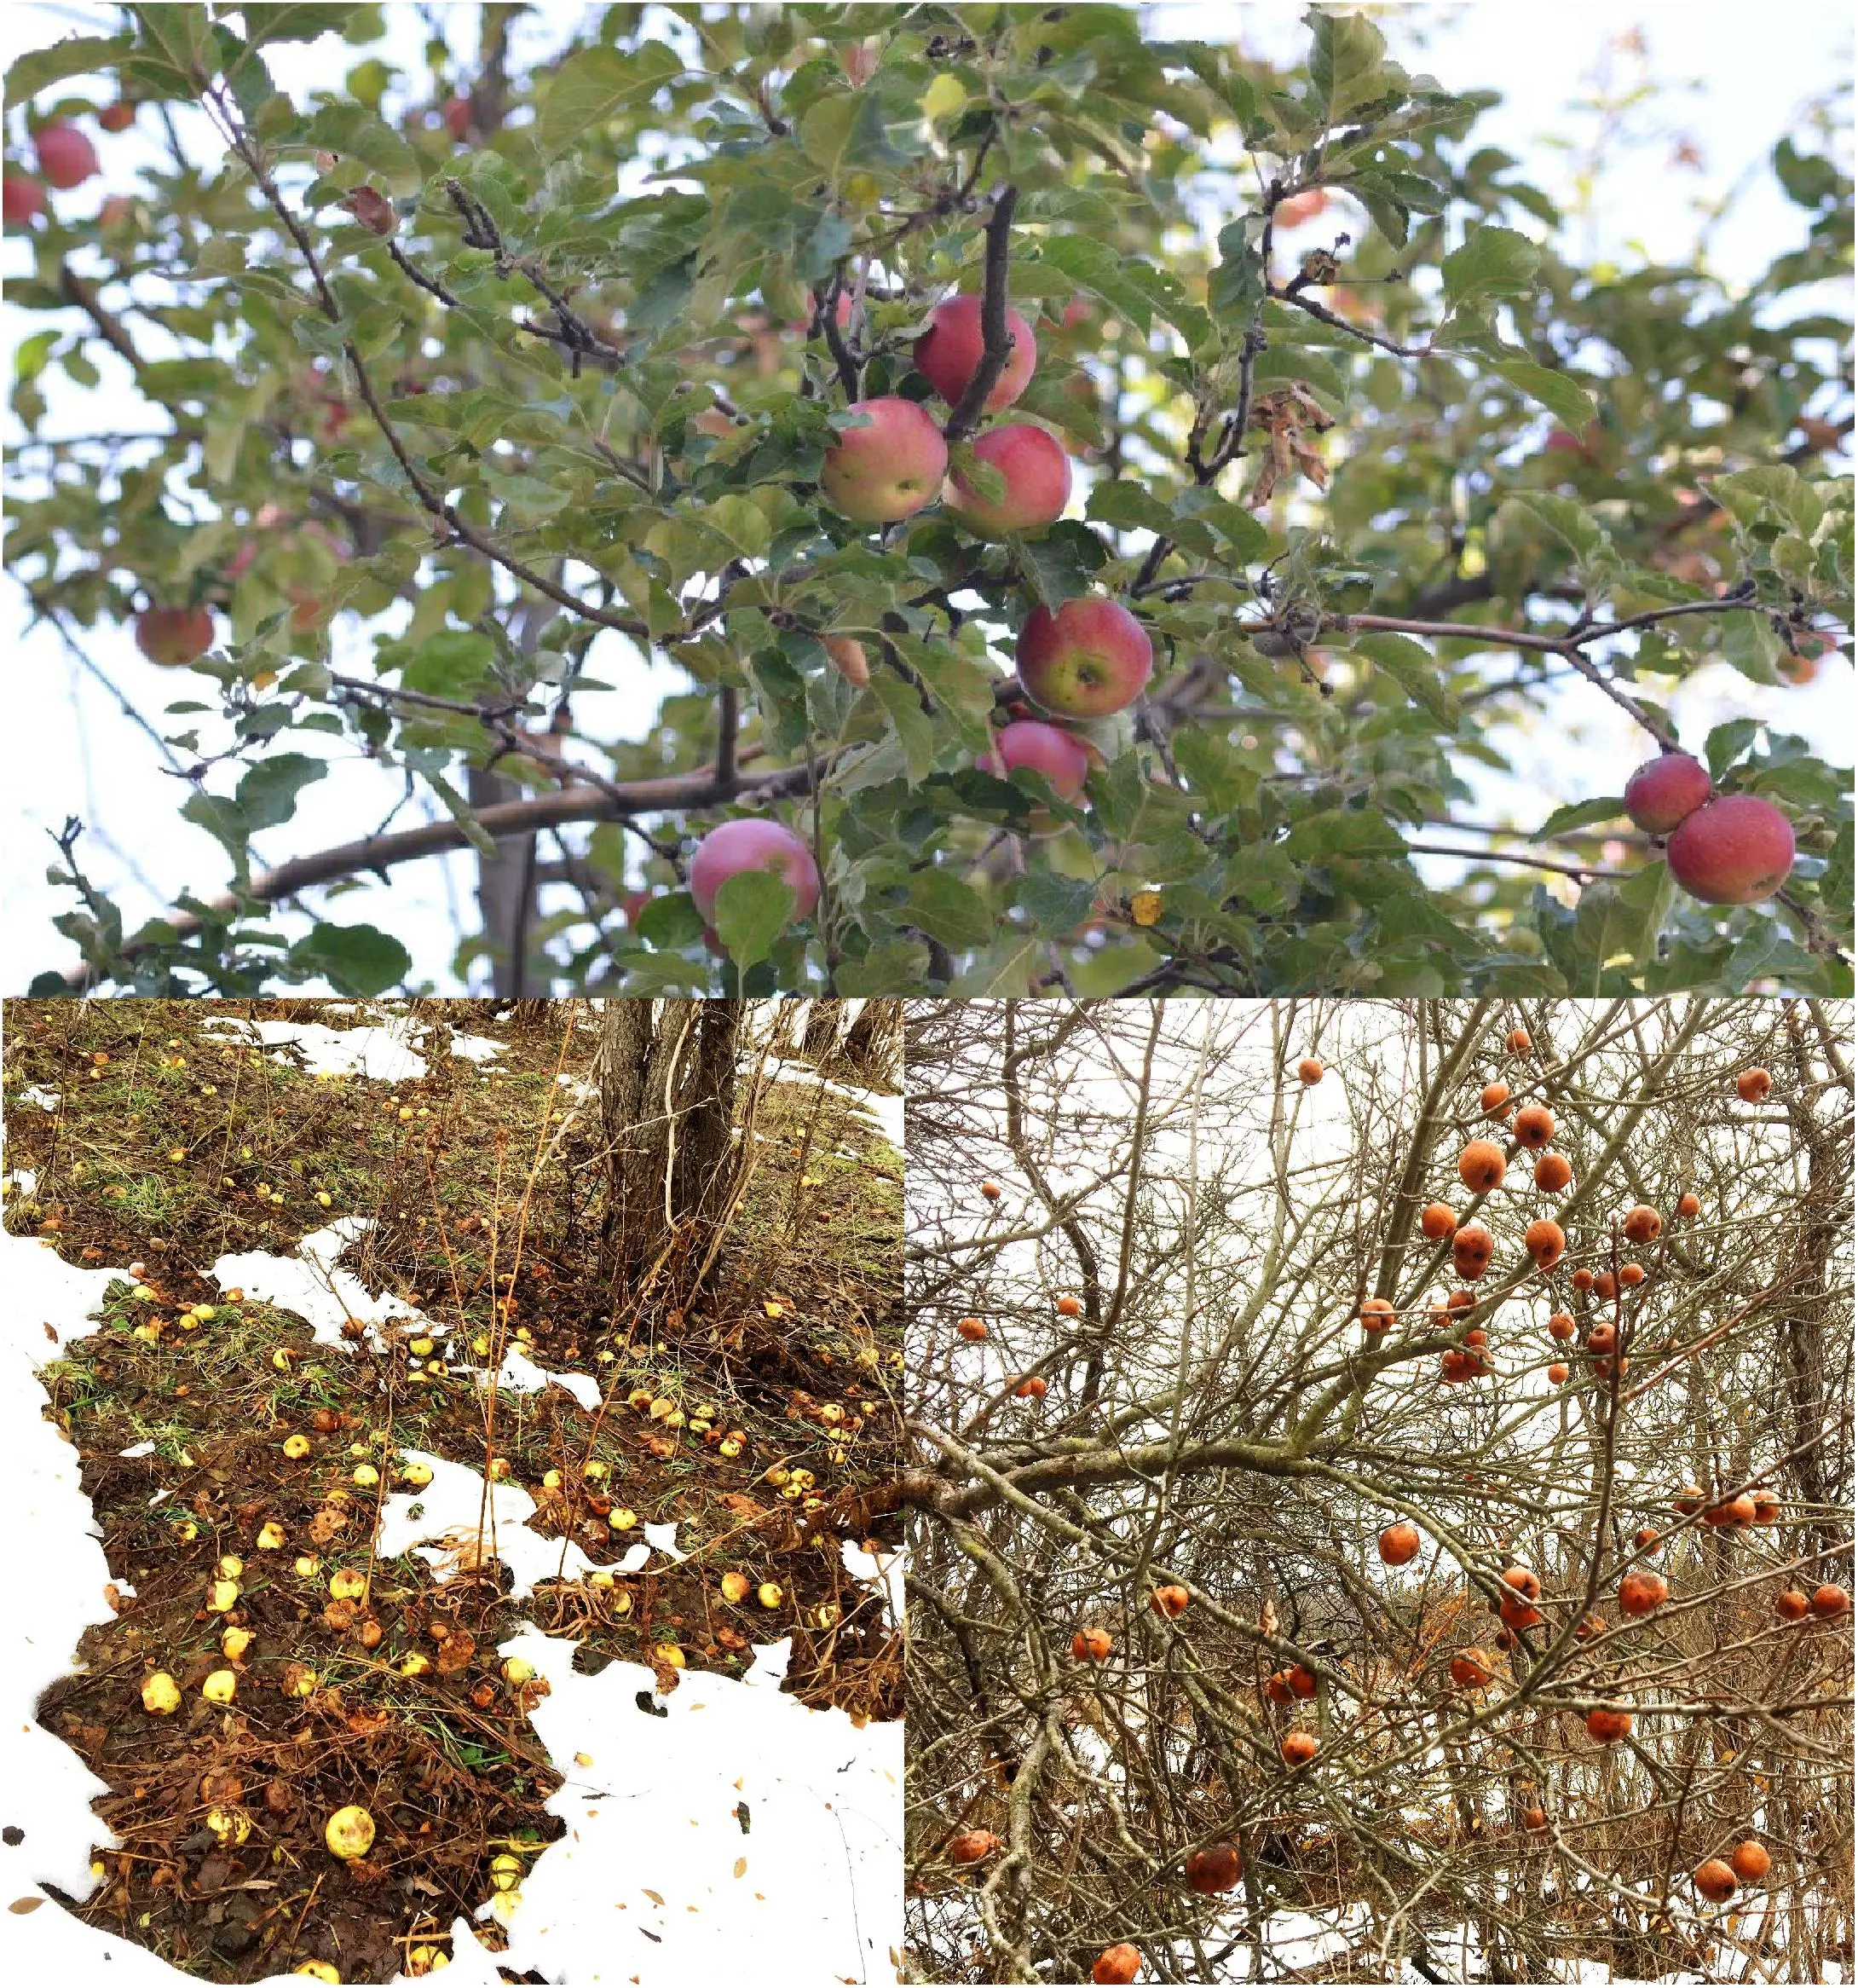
column 753, row 842
column 888, row 466
column 1090, row 659
column 1037, row 474
column 948, row 353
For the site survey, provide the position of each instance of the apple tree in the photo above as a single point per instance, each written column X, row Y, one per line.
column 1322, row 1569
column 1106, row 503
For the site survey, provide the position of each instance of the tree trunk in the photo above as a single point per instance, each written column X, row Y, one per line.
column 873, row 1046
column 819, row 1039
column 666, row 1076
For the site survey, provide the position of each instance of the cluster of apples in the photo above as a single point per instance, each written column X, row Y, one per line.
column 1088, row 659
column 66, row 158
column 1723, row 848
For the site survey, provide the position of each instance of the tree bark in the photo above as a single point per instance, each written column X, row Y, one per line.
column 819, row 1038
column 666, row 1076
column 873, row 1043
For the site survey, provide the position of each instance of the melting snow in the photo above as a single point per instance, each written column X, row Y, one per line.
column 771, row 1834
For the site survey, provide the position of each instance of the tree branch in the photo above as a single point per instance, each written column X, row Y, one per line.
column 996, row 341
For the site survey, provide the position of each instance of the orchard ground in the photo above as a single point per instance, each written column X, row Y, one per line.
column 442, row 1699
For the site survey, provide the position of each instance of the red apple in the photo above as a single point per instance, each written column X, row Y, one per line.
column 1038, row 478
column 65, row 156
column 1301, row 207
column 174, row 636
column 456, row 114
column 22, row 196
column 1092, row 657
column 949, row 352
column 753, row 842
column 890, row 467
column 1735, row 850
column 118, row 211
column 1664, row 790
column 116, row 116
column 1063, row 760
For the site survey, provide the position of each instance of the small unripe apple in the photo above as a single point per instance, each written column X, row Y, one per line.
column 1736, row 849
column 1037, row 474
column 751, row 842
column 65, row 156
column 1664, row 790
column 949, row 352
column 888, row 467
column 1064, row 758
column 456, row 114
column 846, row 655
column 174, row 636
column 769, row 1595
column 116, row 116
column 22, row 196
column 1092, row 657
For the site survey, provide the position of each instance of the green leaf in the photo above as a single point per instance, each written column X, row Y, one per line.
column 916, row 731
column 79, row 56
column 1619, row 922
column 355, row 959
column 670, row 922
column 752, row 909
column 1493, row 262
column 1572, row 522
column 950, row 910
column 593, row 83
column 1727, row 742
column 1348, row 64
column 1572, row 405
column 1056, row 905
column 268, row 791
column 1581, row 814
column 1415, row 668
column 825, row 129
column 294, row 20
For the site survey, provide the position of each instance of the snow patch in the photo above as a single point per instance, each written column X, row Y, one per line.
column 37, row 1094
column 770, row 1834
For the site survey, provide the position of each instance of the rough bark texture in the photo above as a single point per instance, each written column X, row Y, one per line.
column 819, row 1037
column 874, row 1044
column 666, row 1074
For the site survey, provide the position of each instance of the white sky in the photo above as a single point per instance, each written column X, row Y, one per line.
column 1734, row 79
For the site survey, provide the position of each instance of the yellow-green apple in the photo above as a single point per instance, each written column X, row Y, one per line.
column 753, row 842
column 1091, row 658
column 950, row 351
column 1664, row 790
column 174, row 636
column 22, row 196
column 1037, row 474
column 65, row 156
column 1734, row 850
column 889, row 466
